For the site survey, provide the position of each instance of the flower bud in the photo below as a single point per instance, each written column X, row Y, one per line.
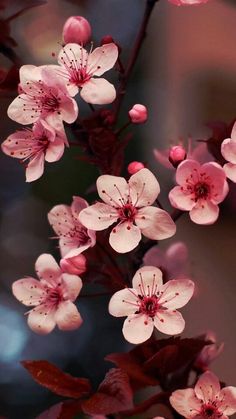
column 177, row 154
column 138, row 114
column 76, row 29
column 75, row 265
column 134, row 167
column 107, row 39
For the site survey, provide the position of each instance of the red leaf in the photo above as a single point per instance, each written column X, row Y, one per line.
column 114, row 395
column 51, row 377
column 63, row 410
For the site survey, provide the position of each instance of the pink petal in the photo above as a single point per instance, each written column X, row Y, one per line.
column 42, row 129
column 155, row 223
column 169, row 322
column 204, row 212
column 67, row 316
column 144, row 188
column 217, row 175
column 41, row 319
column 154, row 257
column 137, row 328
column 228, row 150
column 71, row 247
column 98, row 92
column 124, row 237
column 102, row 59
column 162, row 156
column 176, row 293
column 71, row 285
column 69, row 110
column 55, row 150
column 181, row 199
column 47, row 269
column 123, row 303
column 177, row 257
column 186, row 169
column 98, row 216
column 78, row 205
column 28, row 291
column 230, row 171
column 71, row 52
column 147, row 280
column 207, row 387
column 35, row 168
column 185, row 403
column 19, row 144
column 16, row 113
column 61, row 220
column 113, row 190
column 228, row 404
column 30, row 73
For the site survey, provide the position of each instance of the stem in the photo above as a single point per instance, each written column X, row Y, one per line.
column 134, row 55
column 120, row 130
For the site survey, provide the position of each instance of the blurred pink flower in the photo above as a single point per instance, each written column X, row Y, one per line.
column 76, row 29
column 201, row 188
column 52, row 296
column 36, row 145
column 138, row 114
column 129, row 204
column 151, row 304
column 74, row 238
column 206, row 400
column 187, row 2
column 209, row 352
column 228, row 151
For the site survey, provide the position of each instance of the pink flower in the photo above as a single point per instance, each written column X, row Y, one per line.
column 78, row 68
column 210, row 352
column 200, row 190
column 206, row 400
column 36, row 145
column 228, row 151
column 134, row 167
column 44, row 96
column 75, row 265
column 177, row 154
column 138, row 114
column 151, row 304
column 128, row 203
column 172, row 262
column 74, row 238
column 187, row 2
column 76, row 29
column 52, row 296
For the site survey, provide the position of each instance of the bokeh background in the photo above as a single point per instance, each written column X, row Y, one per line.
column 186, row 77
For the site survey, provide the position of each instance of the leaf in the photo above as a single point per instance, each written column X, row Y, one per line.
column 62, row 410
column 55, row 380
column 114, row 395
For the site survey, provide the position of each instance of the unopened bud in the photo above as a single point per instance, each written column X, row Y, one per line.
column 75, row 265
column 138, row 114
column 177, row 154
column 76, row 29
column 134, row 167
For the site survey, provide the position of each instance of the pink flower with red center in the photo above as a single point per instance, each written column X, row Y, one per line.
column 201, row 188
column 80, row 70
column 210, row 352
column 207, row 400
column 228, row 151
column 129, row 204
column 44, row 96
column 150, row 303
column 74, row 238
column 187, row 2
column 52, row 297
column 35, row 146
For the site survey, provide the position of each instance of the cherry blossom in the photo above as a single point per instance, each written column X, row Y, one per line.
column 206, row 400
column 187, row 2
column 128, row 203
column 80, row 70
column 44, row 96
column 201, row 188
column 76, row 29
column 228, row 151
column 138, row 114
column 35, row 146
column 210, row 352
column 74, row 238
column 52, row 297
column 151, row 304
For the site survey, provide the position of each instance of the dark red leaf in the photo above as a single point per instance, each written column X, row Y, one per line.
column 63, row 410
column 57, row 381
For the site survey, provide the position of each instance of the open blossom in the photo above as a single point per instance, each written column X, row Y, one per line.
column 74, row 238
column 35, row 146
column 128, row 205
column 80, row 70
column 207, row 400
column 201, row 188
column 228, row 151
column 209, row 352
column 187, row 2
column 52, row 297
column 44, row 96
column 151, row 304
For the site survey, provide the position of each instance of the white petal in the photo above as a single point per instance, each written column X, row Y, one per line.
column 41, row 319
column 71, row 285
column 155, row 223
column 137, row 328
column 124, row 237
column 47, row 269
column 147, row 280
column 144, row 188
column 169, row 322
column 67, row 316
column 176, row 293
column 204, row 213
column 102, row 59
column 98, row 216
column 98, row 92
column 207, row 387
column 113, row 190
column 28, row 291
column 124, row 303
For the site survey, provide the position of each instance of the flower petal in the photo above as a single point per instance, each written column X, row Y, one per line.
column 181, row 199
column 144, row 188
column 78, row 205
column 123, row 303
column 124, row 237
column 155, row 223
column 98, row 92
column 72, row 53
column 207, row 387
column 230, row 171
column 169, row 322
column 147, row 280
column 55, row 150
column 204, row 212
column 98, row 216
column 41, row 319
column 113, row 190
column 102, row 59
column 185, row 402
column 47, row 269
column 28, row 291
column 137, row 328
column 186, row 170
column 19, row 144
column 61, row 220
column 35, row 168
column 67, row 316
column 17, row 113
column 71, row 285
column 176, row 293
column 228, row 150
column 217, row 175
column 228, row 403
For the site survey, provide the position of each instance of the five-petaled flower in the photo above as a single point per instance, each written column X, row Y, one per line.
column 228, row 151
column 207, row 400
column 74, row 237
column 200, row 190
column 80, row 70
column 128, row 203
column 52, row 297
column 151, row 304
column 34, row 146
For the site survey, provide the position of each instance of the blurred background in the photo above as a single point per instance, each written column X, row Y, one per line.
column 186, row 78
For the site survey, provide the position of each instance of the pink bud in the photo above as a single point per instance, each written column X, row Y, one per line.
column 138, row 114
column 75, row 265
column 107, row 39
column 76, row 29
column 134, row 167
column 177, row 154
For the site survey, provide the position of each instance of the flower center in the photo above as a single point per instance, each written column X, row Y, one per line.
column 201, row 190
column 55, row 296
column 149, row 305
column 50, row 103
column 127, row 213
column 79, row 76
column 210, row 411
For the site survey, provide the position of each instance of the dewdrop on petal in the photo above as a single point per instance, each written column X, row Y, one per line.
column 76, row 30
column 138, row 114
column 134, row 167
